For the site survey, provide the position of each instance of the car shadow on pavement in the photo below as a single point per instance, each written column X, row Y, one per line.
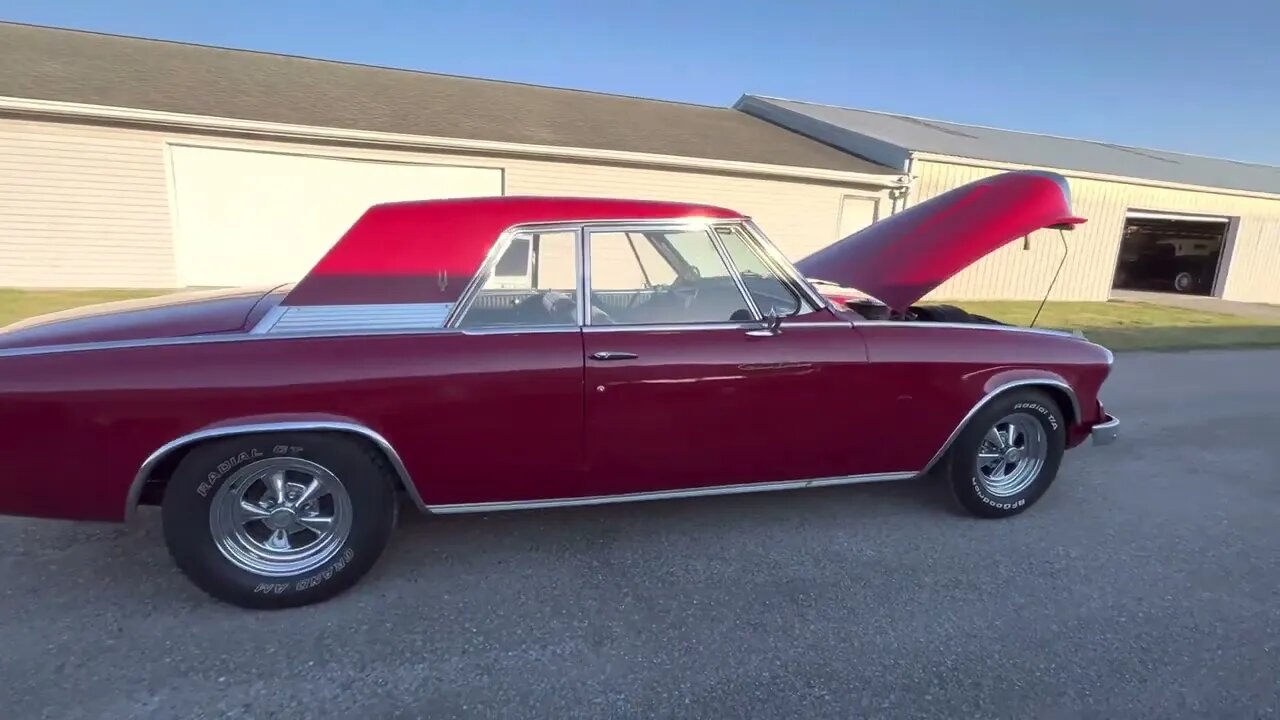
column 132, row 568
column 482, row 538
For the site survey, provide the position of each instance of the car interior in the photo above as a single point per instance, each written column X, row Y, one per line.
column 687, row 297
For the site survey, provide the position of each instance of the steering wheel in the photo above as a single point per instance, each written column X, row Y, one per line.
column 686, row 286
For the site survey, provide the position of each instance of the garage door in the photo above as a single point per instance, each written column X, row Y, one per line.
column 258, row 218
column 1167, row 252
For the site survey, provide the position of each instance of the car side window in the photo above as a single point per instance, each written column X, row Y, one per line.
column 768, row 291
column 661, row 277
column 533, row 283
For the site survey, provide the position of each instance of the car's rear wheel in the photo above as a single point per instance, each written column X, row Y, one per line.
column 279, row 520
column 1008, row 454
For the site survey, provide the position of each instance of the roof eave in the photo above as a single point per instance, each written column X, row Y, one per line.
column 856, row 143
column 1085, row 175
column 168, row 120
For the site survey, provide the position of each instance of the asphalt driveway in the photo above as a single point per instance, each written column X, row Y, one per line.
column 1145, row 584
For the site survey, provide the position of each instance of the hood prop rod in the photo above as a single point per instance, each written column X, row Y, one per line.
column 1066, row 249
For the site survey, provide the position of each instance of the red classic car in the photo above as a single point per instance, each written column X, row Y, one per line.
column 503, row 353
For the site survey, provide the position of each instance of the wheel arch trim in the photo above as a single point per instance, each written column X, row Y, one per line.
column 232, row 429
column 995, row 392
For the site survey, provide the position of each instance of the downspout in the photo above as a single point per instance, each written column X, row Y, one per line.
column 900, row 194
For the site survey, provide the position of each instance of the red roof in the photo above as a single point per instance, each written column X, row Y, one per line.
column 428, row 251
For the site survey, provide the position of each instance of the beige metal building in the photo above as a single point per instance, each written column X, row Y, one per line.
column 1156, row 220
column 139, row 163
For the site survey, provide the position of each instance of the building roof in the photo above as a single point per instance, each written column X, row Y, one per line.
column 890, row 139
column 92, row 68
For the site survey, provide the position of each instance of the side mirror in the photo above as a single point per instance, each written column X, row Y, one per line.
column 772, row 325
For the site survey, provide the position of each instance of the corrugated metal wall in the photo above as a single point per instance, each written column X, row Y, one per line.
column 89, row 206
column 1253, row 273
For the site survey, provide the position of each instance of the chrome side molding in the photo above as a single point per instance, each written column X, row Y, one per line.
column 1103, row 433
column 667, row 494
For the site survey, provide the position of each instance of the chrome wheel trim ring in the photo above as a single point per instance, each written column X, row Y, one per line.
column 280, row 517
column 1183, row 281
column 1011, row 455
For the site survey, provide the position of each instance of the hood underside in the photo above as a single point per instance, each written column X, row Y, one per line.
column 906, row 256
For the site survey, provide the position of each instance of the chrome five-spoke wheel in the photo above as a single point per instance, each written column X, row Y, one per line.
column 1008, row 454
column 1011, row 454
column 280, row 517
column 276, row 520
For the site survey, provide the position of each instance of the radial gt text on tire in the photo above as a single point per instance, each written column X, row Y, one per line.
column 279, row 520
column 1008, row 454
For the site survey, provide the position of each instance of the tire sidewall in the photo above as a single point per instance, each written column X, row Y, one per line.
column 969, row 489
column 206, row 468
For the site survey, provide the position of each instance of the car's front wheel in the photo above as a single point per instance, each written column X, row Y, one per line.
column 279, row 520
column 1008, row 454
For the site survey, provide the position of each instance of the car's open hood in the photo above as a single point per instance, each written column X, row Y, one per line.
column 907, row 255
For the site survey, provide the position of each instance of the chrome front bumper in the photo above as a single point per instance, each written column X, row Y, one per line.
column 1106, row 432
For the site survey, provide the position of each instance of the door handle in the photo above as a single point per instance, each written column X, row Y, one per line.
column 613, row 355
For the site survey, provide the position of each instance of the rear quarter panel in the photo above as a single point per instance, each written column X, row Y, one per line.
column 473, row 417
column 930, row 376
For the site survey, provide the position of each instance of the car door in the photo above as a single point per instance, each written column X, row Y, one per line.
column 686, row 388
column 509, row 420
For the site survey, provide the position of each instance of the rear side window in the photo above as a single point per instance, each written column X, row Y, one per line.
column 534, row 283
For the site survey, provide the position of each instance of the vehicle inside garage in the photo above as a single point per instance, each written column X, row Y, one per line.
column 1170, row 254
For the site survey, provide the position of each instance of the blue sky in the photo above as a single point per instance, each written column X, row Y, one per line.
column 1199, row 77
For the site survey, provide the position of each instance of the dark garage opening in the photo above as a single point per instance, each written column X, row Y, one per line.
column 1170, row 255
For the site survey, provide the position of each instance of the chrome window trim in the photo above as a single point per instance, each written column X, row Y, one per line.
column 520, row 329
column 674, row 226
column 676, row 327
column 579, row 267
column 473, row 288
column 732, row 267
column 672, row 327
column 1001, row 389
column 819, row 324
column 668, row 494
column 680, row 224
column 584, row 279
column 782, row 264
column 463, row 303
column 753, row 247
column 140, row 480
